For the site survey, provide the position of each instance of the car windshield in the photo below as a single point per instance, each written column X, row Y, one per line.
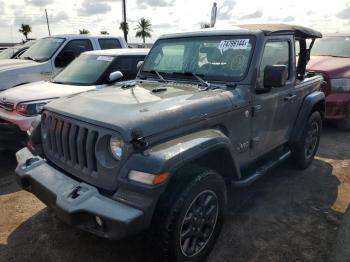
column 332, row 46
column 43, row 49
column 7, row 53
column 216, row 58
column 85, row 70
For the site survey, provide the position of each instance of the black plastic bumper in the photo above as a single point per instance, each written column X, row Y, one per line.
column 75, row 203
column 11, row 137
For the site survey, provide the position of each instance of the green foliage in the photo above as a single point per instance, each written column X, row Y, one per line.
column 84, row 31
column 144, row 29
column 25, row 30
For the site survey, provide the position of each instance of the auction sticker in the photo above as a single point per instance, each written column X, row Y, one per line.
column 234, row 44
column 105, row 58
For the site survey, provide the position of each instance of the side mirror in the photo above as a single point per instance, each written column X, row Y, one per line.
column 114, row 76
column 139, row 65
column 275, row 76
column 63, row 59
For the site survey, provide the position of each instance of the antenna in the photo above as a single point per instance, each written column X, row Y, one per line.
column 47, row 22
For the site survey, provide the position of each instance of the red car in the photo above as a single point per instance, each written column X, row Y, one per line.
column 330, row 56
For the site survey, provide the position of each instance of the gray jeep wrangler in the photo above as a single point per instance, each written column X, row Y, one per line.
column 209, row 110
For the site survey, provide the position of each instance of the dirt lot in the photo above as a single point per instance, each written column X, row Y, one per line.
column 289, row 215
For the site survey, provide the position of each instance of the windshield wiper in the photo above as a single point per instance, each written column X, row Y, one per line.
column 32, row 59
column 201, row 80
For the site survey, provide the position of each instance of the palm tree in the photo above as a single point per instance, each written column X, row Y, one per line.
column 25, row 30
column 104, row 33
column 124, row 27
column 84, row 31
column 143, row 29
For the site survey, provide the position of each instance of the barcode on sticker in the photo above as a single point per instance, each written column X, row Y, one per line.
column 105, row 58
column 234, row 44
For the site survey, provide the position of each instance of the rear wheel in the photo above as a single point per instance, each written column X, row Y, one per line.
column 304, row 151
column 189, row 219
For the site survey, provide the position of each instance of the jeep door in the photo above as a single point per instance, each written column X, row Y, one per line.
column 274, row 110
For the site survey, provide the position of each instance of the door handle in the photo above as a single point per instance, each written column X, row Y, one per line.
column 289, row 98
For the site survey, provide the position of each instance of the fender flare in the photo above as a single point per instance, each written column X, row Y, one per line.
column 306, row 109
column 173, row 154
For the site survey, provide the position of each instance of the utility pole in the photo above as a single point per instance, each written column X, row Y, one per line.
column 124, row 21
column 47, row 22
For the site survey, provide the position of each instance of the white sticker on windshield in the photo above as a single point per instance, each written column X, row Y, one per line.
column 233, row 44
column 105, row 58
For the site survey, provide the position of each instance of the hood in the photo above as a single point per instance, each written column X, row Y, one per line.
column 6, row 64
column 333, row 67
column 138, row 108
column 40, row 91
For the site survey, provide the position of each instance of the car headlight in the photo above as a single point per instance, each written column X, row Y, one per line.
column 116, row 146
column 31, row 108
column 340, row 85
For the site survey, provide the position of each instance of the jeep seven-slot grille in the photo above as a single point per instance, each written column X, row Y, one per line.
column 69, row 143
column 6, row 105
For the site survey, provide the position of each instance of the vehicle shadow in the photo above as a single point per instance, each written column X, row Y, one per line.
column 285, row 216
column 7, row 166
column 335, row 143
column 282, row 217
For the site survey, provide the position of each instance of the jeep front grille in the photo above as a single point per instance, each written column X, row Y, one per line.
column 69, row 143
column 7, row 105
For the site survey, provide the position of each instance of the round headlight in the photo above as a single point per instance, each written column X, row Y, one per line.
column 116, row 145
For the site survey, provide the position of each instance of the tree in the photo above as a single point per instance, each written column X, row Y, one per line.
column 124, row 27
column 143, row 29
column 25, row 30
column 84, row 31
column 205, row 25
column 104, row 33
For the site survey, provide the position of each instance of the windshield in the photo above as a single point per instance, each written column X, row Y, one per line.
column 332, row 46
column 85, row 70
column 43, row 49
column 213, row 58
column 7, row 53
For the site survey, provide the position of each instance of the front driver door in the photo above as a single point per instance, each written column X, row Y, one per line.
column 269, row 114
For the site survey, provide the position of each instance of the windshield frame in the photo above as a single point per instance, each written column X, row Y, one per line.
column 101, row 80
column 53, row 53
column 212, row 78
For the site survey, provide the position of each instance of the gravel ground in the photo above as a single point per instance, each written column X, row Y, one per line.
column 289, row 215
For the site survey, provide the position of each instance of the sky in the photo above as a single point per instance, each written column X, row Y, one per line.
column 166, row 16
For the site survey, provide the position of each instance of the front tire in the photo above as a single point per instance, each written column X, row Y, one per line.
column 190, row 217
column 304, row 151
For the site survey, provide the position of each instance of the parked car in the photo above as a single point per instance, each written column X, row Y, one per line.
column 19, row 106
column 50, row 55
column 331, row 58
column 15, row 51
column 209, row 109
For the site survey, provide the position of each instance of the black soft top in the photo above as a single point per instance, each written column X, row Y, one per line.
column 268, row 29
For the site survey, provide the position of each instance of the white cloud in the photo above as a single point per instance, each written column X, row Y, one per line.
column 68, row 16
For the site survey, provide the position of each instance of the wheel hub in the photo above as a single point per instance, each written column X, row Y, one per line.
column 199, row 223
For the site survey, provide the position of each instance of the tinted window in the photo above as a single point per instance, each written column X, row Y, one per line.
column 127, row 65
column 275, row 53
column 78, row 46
column 109, row 43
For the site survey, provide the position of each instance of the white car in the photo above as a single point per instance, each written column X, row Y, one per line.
column 50, row 55
column 19, row 106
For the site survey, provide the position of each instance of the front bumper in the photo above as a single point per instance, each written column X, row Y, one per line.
column 74, row 202
column 11, row 137
column 337, row 105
